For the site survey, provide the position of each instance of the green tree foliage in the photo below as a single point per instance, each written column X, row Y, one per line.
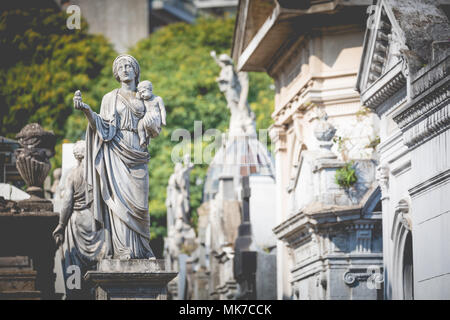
column 43, row 63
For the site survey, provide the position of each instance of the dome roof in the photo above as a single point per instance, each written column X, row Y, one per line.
column 239, row 156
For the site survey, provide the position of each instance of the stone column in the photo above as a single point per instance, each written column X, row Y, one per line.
column 135, row 279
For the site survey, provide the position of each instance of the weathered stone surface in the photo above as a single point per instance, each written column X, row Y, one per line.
column 133, row 265
column 410, row 95
column 9, row 206
column 33, row 158
column 135, row 279
column 35, row 204
column 266, row 276
column 27, row 255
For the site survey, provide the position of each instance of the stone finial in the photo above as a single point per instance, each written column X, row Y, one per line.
column 324, row 131
column 34, row 136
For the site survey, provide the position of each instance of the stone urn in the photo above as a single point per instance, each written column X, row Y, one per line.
column 324, row 132
column 33, row 162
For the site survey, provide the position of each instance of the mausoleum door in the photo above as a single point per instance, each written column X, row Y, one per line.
column 408, row 274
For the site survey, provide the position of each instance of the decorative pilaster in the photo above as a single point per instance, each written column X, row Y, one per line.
column 277, row 134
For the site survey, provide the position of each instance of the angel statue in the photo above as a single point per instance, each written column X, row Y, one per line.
column 235, row 88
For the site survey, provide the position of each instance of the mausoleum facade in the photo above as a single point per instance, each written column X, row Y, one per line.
column 404, row 78
column 329, row 234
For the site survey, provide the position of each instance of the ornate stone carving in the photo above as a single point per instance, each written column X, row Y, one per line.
column 382, row 176
column 352, row 275
column 428, row 114
column 379, row 59
column 278, row 137
column 33, row 158
column 428, row 76
column 322, row 280
column 422, row 107
column 386, row 91
column 324, row 131
column 402, row 210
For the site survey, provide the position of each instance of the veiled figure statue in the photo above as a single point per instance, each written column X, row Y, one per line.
column 80, row 243
column 117, row 164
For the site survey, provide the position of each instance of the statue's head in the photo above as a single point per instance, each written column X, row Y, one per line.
column 225, row 58
column 126, row 69
column 79, row 149
column 145, row 89
column 178, row 166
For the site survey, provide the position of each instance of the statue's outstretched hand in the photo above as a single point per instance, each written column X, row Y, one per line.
column 213, row 54
column 78, row 101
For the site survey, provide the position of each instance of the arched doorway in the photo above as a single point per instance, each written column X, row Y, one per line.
column 408, row 274
column 402, row 279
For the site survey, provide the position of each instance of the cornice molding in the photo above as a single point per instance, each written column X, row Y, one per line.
column 384, row 87
column 428, row 114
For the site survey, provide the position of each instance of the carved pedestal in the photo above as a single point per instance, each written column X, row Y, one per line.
column 136, row 279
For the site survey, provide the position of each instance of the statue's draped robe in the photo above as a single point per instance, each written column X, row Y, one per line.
column 82, row 243
column 116, row 170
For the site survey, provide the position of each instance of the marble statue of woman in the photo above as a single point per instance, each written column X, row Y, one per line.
column 81, row 244
column 117, row 165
